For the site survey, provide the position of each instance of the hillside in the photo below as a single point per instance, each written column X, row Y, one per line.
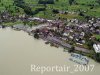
column 79, row 8
column 8, row 5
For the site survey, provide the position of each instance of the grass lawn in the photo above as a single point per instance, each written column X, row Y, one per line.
column 12, row 23
column 97, row 36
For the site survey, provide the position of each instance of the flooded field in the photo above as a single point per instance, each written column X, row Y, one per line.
column 18, row 51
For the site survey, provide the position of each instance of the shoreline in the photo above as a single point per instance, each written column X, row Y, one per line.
column 51, row 39
column 54, row 44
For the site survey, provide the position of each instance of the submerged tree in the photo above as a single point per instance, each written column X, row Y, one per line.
column 36, row 36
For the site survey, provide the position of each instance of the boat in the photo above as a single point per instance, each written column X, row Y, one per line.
column 78, row 58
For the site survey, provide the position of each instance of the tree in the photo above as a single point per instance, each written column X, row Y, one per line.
column 36, row 33
column 55, row 11
column 90, row 43
column 71, row 2
column 36, row 36
column 98, row 1
column 71, row 49
column 81, row 13
column 57, row 0
column 97, row 57
column 23, row 5
column 46, row 1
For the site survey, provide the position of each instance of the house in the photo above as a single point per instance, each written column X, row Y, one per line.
column 65, row 34
column 96, row 48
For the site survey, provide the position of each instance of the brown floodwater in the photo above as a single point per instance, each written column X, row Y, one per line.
column 18, row 51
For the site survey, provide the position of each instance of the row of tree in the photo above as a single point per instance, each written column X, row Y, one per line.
column 46, row 1
column 22, row 4
column 27, row 9
column 74, row 1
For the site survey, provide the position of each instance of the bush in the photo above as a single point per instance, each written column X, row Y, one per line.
column 55, row 11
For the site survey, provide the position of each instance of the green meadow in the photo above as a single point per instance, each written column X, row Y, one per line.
column 88, row 7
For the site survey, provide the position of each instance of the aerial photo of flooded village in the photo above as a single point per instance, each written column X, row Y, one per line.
column 49, row 37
